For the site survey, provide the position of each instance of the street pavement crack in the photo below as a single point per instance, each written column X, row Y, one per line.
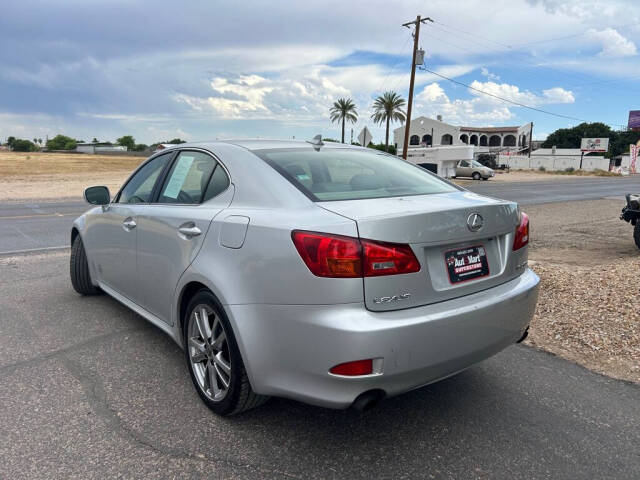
column 97, row 398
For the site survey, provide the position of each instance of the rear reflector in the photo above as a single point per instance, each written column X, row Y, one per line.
column 522, row 232
column 352, row 369
column 337, row 256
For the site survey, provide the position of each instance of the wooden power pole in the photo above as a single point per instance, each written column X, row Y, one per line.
column 416, row 37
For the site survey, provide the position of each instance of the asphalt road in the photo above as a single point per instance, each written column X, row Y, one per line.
column 44, row 225
column 88, row 389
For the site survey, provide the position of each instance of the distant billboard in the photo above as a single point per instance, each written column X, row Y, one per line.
column 634, row 120
column 594, row 144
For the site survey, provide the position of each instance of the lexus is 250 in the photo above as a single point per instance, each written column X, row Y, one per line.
column 330, row 274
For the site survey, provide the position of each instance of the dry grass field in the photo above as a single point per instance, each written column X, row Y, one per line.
column 38, row 176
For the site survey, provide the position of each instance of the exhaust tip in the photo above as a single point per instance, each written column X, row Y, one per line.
column 524, row 336
column 367, row 400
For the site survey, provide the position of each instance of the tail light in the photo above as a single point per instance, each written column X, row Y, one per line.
column 338, row 256
column 522, row 232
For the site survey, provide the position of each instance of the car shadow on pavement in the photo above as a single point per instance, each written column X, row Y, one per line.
column 143, row 382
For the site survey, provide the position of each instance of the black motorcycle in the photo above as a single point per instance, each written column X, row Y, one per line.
column 631, row 213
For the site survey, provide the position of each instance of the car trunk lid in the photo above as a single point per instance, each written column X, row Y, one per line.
column 437, row 229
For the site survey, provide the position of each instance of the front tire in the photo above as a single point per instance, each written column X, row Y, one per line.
column 79, row 270
column 213, row 358
column 476, row 176
column 636, row 233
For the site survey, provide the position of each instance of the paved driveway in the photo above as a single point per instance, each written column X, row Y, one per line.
column 90, row 390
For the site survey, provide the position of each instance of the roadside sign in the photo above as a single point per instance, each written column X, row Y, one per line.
column 594, row 145
column 365, row 137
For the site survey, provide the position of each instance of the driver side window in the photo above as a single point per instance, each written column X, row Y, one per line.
column 140, row 186
column 464, row 163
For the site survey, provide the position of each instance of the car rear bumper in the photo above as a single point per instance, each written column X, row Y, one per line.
column 289, row 349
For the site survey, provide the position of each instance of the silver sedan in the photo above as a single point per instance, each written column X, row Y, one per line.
column 325, row 273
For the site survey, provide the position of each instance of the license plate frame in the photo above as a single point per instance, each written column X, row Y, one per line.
column 466, row 264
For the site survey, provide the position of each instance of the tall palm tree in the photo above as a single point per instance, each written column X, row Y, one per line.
column 343, row 109
column 388, row 108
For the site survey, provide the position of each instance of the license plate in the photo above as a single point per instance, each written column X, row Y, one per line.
column 466, row 263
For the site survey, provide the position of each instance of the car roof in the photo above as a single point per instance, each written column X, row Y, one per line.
column 264, row 144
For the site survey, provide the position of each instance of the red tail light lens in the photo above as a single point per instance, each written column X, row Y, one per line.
column 329, row 255
column 522, row 232
column 337, row 256
column 351, row 369
column 388, row 259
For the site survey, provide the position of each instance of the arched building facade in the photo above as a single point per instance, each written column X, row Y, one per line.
column 429, row 132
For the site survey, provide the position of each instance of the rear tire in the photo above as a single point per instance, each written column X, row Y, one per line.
column 476, row 176
column 636, row 233
column 79, row 270
column 213, row 358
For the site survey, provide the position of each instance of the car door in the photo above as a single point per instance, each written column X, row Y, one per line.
column 172, row 229
column 113, row 231
column 463, row 169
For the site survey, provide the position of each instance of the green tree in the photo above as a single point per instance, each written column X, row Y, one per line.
column 343, row 110
column 10, row 141
column 61, row 142
column 140, row 147
column 95, row 140
column 571, row 137
column 20, row 145
column 619, row 141
column 387, row 108
column 127, row 141
column 176, row 141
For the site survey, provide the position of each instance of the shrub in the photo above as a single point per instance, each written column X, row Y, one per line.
column 20, row 145
column 61, row 142
column 570, row 170
column 542, row 169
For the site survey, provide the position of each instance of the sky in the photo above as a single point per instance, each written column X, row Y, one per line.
column 221, row 69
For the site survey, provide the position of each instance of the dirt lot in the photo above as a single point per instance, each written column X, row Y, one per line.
column 589, row 307
column 526, row 176
column 37, row 176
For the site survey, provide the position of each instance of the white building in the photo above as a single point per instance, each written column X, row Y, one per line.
column 440, row 160
column 99, row 148
column 427, row 132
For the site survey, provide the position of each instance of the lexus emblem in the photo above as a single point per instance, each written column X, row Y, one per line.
column 474, row 222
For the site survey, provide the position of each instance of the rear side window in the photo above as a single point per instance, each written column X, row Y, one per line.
column 350, row 174
column 188, row 178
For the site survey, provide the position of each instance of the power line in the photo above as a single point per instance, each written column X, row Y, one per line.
column 469, row 34
column 512, row 101
column 565, row 37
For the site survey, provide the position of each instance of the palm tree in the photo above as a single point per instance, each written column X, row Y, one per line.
column 388, row 108
column 343, row 109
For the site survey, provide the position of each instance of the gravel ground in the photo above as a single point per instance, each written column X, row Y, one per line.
column 589, row 306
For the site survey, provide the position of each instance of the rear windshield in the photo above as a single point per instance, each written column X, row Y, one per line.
column 351, row 174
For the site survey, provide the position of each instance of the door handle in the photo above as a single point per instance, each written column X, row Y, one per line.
column 129, row 224
column 190, row 231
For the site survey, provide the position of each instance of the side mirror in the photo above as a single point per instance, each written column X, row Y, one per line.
column 97, row 195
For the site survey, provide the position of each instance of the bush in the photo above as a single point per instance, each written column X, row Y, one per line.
column 20, row 145
column 61, row 142
column 570, row 170
column 542, row 169
column 488, row 160
column 381, row 147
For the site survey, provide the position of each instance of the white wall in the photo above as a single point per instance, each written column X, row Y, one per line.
column 554, row 162
column 446, row 157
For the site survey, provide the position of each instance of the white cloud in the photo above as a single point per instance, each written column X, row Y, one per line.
column 613, row 44
column 486, row 73
column 433, row 100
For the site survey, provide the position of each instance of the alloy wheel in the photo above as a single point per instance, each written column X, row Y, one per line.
column 209, row 352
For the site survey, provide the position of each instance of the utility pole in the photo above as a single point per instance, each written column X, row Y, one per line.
column 416, row 37
column 530, row 139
